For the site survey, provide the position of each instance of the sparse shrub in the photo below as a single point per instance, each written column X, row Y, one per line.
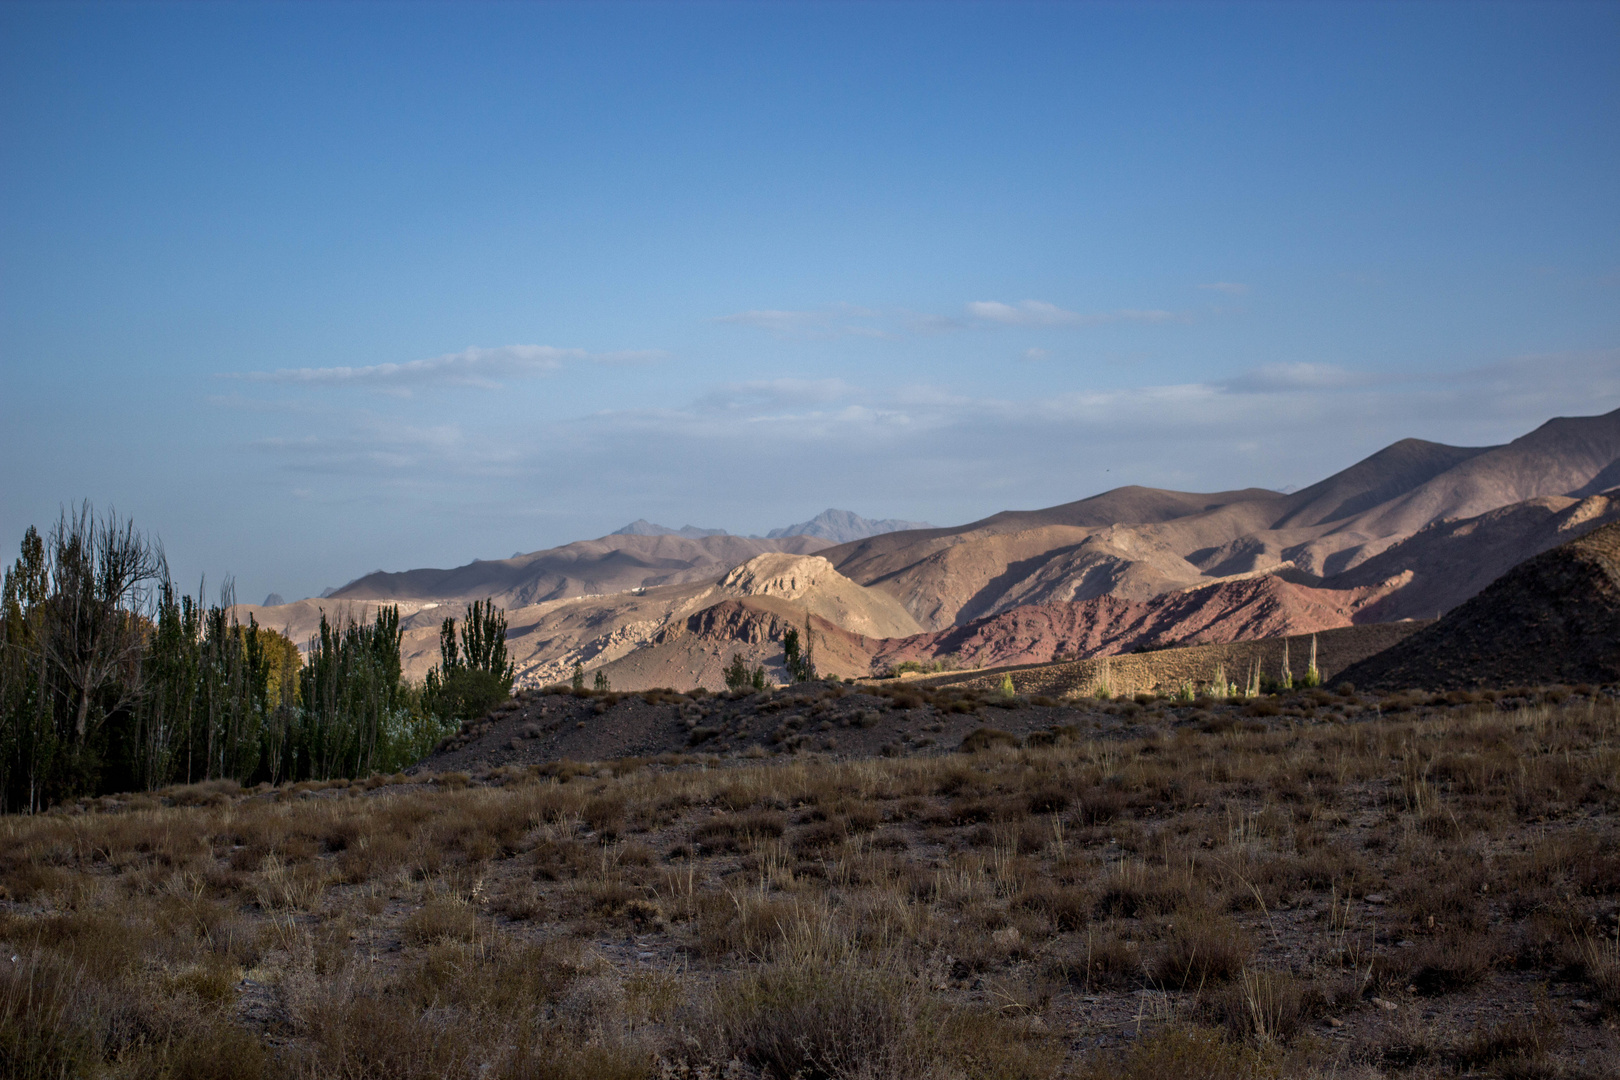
column 1598, row 960
column 1099, row 805
column 1454, row 961
column 822, row 1021
column 1133, row 889
column 1068, row 908
column 1185, row 1054
column 984, row 738
column 1201, row 947
column 1510, row 1049
column 1101, row 960
column 441, row 920
column 729, row 832
column 1093, row 866
column 45, row 1013
column 1048, row 799
column 1268, row 1006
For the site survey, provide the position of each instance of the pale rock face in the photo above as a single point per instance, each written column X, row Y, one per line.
column 1588, row 509
column 780, row 574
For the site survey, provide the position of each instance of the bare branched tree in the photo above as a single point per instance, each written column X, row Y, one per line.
column 102, row 570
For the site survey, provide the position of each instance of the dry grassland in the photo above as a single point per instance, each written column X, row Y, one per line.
column 1163, row 671
column 1415, row 895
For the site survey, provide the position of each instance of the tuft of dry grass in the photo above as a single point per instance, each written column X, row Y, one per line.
column 1200, row 948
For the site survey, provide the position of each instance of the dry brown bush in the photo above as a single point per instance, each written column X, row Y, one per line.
column 1200, row 948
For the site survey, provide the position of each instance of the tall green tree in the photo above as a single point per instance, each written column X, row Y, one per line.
column 473, row 674
column 799, row 653
column 113, row 680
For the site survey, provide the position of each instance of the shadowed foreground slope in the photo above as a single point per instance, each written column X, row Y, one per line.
column 1552, row 619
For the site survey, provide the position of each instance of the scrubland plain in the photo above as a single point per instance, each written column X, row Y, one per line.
column 1429, row 889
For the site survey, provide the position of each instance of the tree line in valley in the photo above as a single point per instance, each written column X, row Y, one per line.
column 112, row 680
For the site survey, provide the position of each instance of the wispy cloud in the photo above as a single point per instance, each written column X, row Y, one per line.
column 1271, row 378
column 771, row 394
column 1230, row 288
column 919, row 322
column 470, row 367
column 848, row 320
column 962, row 453
column 369, row 445
column 1041, row 313
column 835, row 321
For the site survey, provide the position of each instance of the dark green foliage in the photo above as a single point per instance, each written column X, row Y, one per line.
column 578, row 681
column 350, row 687
column 204, row 709
column 473, row 676
column 601, row 684
column 739, row 676
column 798, row 656
column 112, row 681
column 790, row 650
column 736, row 673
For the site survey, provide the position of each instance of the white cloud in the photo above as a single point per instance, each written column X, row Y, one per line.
column 1315, row 402
column 373, row 445
column 947, row 452
column 470, row 367
column 1036, row 354
column 771, row 394
column 1231, row 288
column 837, row 320
column 1027, row 313
column 848, row 320
column 1041, row 313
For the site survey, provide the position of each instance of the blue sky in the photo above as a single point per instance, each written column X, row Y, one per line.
column 315, row 289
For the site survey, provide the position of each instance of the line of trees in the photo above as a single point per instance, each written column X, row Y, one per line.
column 111, row 680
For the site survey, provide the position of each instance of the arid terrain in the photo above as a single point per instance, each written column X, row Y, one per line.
column 1253, row 827
column 1408, row 533
column 1317, row 884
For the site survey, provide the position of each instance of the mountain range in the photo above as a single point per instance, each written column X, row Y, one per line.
column 841, row 527
column 834, row 526
column 1411, row 531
